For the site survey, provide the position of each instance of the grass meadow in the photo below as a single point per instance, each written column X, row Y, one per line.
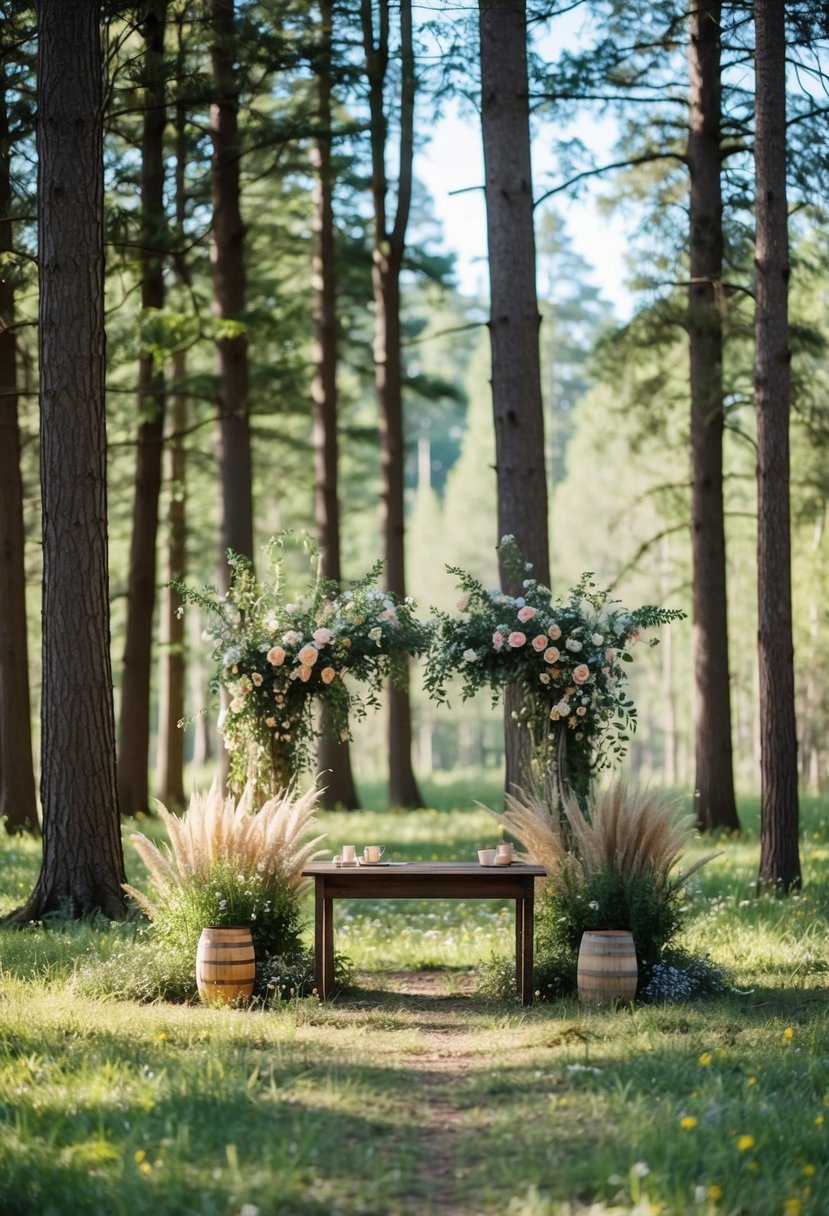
column 413, row 1095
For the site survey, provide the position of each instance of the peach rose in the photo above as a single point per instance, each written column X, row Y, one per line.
column 276, row 656
column 539, row 642
column 304, row 673
column 554, row 632
column 581, row 674
column 327, row 675
column 308, row 655
column 551, row 654
column 516, row 639
column 526, row 614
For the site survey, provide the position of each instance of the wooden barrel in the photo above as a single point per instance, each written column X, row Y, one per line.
column 607, row 968
column 225, row 965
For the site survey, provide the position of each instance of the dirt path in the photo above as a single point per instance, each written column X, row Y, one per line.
column 445, row 1058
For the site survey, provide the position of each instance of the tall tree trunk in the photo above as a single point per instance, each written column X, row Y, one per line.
column 172, row 671
column 716, row 806
column 514, row 316
column 333, row 754
column 18, row 804
column 134, row 720
column 389, row 247
column 779, row 810
column 170, row 764
column 83, row 865
column 227, row 255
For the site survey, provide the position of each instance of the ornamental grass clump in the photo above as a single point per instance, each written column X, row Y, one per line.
column 612, row 866
column 228, row 864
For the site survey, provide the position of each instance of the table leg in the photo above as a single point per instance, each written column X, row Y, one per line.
column 319, row 933
column 328, row 947
column 524, row 930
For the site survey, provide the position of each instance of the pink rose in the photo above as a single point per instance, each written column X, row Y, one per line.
column 609, row 656
column 327, row 675
column 581, row 674
column 322, row 636
column 516, row 639
column 551, row 654
column 526, row 614
column 497, row 639
column 554, row 632
column 463, row 603
column 308, row 656
column 539, row 642
column 276, row 656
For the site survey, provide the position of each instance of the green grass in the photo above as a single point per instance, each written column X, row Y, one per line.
column 384, row 1103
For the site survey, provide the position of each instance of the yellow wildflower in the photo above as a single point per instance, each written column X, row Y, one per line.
column 820, row 1120
column 705, row 1059
column 809, row 1171
column 788, row 1034
column 752, row 1080
column 688, row 1122
column 744, row 1143
column 139, row 1155
column 792, row 1207
column 715, row 1192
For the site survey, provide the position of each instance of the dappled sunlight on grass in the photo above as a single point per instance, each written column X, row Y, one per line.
column 422, row 1098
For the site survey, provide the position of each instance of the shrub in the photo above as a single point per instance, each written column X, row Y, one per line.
column 609, row 867
column 227, row 864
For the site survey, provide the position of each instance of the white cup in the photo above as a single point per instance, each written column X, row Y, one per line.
column 349, row 852
column 373, row 852
column 504, row 854
column 486, row 857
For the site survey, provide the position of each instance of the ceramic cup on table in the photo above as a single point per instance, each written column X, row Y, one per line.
column 504, row 855
column 373, row 852
column 486, row 857
column 349, row 852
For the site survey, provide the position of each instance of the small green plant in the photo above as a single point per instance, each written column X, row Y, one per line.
column 227, row 864
column 612, row 867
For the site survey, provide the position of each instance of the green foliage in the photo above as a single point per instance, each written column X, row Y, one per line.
column 145, row 970
column 681, row 976
column 583, row 899
column 281, row 652
column 568, row 655
column 229, row 895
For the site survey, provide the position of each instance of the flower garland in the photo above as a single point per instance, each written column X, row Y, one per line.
column 569, row 656
column 279, row 655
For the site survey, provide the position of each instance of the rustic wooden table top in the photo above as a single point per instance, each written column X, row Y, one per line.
column 414, row 869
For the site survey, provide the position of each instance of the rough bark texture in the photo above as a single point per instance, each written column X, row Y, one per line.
column 18, row 803
column 171, row 681
column 333, row 755
column 779, row 811
column 389, row 247
column 83, row 866
column 227, row 256
column 716, row 807
column 134, row 720
column 515, row 320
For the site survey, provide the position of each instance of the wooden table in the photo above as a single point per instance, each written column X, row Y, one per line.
column 424, row 880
